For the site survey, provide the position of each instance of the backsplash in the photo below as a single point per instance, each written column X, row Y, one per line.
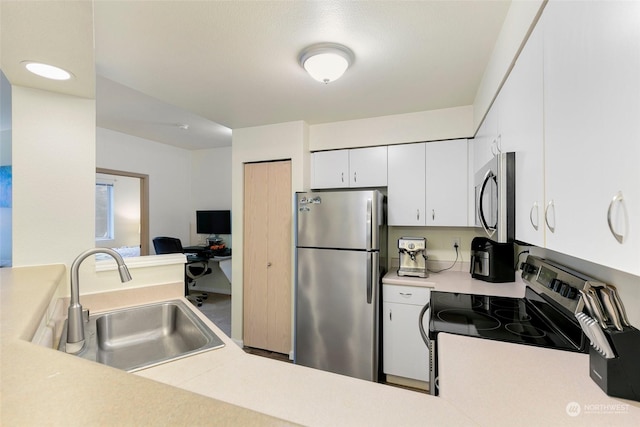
column 441, row 254
column 440, row 251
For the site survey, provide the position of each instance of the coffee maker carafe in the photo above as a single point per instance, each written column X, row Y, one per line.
column 413, row 256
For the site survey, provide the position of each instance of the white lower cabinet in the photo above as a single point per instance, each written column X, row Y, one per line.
column 404, row 352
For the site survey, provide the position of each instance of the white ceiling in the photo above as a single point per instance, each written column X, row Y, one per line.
column 216, row 65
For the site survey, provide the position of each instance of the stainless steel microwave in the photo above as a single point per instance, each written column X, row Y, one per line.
column 495, row 188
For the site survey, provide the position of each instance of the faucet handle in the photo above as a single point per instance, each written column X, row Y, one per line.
column 85, row 315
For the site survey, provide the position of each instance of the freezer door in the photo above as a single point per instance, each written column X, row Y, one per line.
column 339, row 219
column 337, row 297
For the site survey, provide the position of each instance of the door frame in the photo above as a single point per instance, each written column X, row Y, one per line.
column 144, row 204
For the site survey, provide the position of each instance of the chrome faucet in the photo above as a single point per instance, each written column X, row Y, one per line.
column 75, row 322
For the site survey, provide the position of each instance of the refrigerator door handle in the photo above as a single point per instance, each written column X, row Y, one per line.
column 372, row 274
column 369, row 236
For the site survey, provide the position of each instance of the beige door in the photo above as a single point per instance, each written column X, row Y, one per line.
column 267, row 256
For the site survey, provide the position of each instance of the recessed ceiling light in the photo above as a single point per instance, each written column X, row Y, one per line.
column 326, row 62
column 47, row 71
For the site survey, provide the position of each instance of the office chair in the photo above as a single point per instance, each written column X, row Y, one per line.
column 195, row 267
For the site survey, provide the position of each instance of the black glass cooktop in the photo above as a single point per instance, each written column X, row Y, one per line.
column 517, row 320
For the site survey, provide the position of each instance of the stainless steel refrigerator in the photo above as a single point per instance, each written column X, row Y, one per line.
column 340, row 259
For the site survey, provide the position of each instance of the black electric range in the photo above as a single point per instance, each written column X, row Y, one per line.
column 544, row 317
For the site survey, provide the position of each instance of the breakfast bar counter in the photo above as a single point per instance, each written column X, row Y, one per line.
column 42, row 386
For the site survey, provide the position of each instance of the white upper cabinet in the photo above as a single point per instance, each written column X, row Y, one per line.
column 368, row 167
column 446, row 183
column 406, row 184
column 360, row 167
column 428, row 184
column 520, row 129
column 330, row 169
column 592, row 131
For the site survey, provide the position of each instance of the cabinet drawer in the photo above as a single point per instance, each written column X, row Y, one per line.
column 405, row 294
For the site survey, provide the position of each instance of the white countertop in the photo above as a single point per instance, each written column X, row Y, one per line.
column 504, row 384
column 482, row 382
column 458, row 281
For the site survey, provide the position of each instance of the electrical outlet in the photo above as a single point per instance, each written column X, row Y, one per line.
column 456, row 242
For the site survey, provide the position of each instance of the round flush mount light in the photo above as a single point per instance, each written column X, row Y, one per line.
column 326, row 62
column 47, row 71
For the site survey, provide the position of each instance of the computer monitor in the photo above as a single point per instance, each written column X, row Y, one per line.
column 213, row 222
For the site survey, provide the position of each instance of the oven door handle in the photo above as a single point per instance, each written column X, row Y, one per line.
column 425, row 338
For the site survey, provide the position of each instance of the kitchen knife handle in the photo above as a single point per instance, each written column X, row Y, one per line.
column 598, row 310
column 610, row 307
column 618, row 302
column 587, row 303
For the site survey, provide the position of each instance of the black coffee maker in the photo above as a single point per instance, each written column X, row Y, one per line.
column 492, row 261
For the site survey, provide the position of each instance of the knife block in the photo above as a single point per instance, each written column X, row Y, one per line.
column 620, row 376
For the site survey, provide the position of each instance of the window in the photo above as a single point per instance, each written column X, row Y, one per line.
column 104, row 211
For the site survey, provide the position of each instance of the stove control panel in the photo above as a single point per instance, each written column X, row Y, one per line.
column 554, row 280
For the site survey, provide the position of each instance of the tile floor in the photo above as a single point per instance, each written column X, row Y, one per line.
column 217, row 308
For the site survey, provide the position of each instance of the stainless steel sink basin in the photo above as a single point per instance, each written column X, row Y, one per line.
column 143, row 336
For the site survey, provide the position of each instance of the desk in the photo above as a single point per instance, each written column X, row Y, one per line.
column 213, row 282
column 204, row 251
column 224, row 262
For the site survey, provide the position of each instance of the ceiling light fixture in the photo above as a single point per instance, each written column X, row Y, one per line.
column 326, row 62
column 47, row 71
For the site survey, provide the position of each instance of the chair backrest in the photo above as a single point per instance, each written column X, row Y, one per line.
column 167, row 245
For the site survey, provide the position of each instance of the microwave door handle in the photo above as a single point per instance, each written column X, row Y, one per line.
column 483, row 221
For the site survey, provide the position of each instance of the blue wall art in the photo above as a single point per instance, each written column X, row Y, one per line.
column 5, row 186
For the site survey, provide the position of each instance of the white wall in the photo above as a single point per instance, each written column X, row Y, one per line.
column 210, row 185
column 53, row 176
column 450, row 123
column 518, row 24
column 169, row 170
column 273, row 142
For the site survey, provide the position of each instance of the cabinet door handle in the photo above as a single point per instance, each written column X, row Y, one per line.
column 355, row 177
column 390, row 315
column 550, row 206
column 342, row 177
column 617, row 199
column 269, row 264
column 417, row 214
column 537, row 223
column 433, row 214
column 406, row 294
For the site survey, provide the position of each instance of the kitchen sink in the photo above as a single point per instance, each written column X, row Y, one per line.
column 143, row 336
